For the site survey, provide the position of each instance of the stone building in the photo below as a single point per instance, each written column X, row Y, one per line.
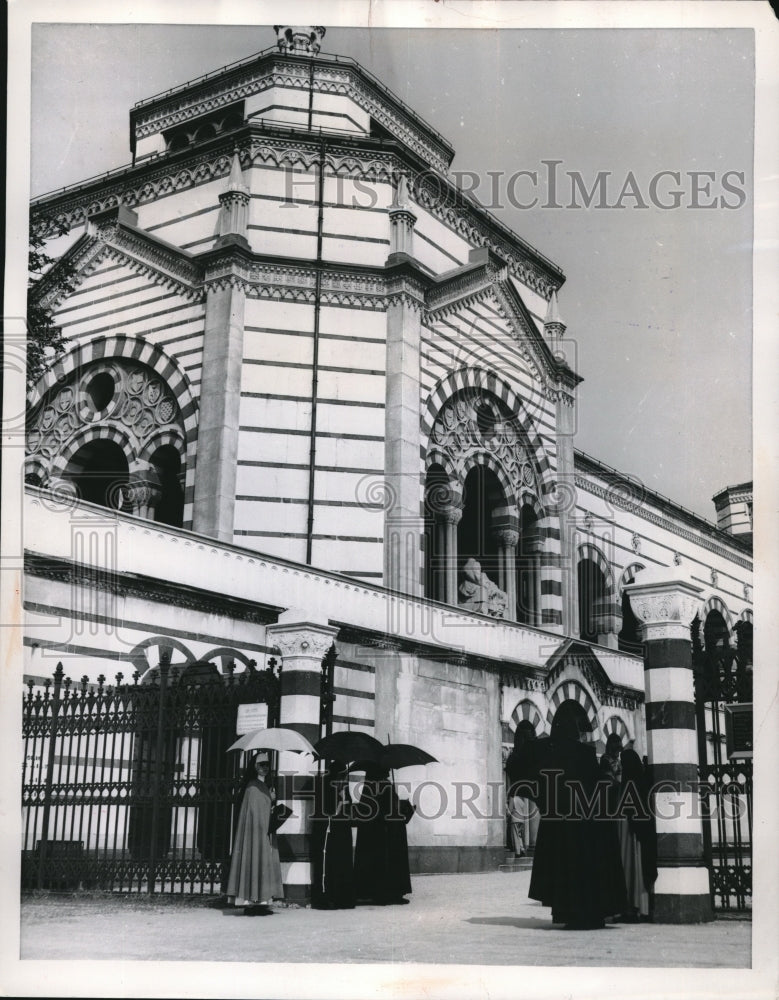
column 314, row 394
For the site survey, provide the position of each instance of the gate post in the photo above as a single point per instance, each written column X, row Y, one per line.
column 302, row 642
column 666, row 606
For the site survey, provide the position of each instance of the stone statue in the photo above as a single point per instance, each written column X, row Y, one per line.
column 479, row 593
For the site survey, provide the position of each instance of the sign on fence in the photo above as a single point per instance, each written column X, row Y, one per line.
column 250, row 717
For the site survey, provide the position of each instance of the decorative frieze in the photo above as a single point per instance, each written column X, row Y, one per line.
column 643, row 511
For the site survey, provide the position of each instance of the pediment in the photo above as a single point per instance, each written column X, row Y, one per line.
column 116, row 235
column 486, row 279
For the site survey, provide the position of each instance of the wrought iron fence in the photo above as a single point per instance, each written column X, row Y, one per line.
column 723, row 678
column 129, row 787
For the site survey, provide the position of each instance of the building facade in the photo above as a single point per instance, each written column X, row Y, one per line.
column 314, row 395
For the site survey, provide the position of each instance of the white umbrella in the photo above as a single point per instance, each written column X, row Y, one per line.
column 273, row 739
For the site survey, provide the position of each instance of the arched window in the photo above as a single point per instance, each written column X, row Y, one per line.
column 99, row 472
column 482, row 497
column 170, row 506
column 592, row 592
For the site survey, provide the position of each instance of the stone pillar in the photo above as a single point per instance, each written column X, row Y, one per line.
column 402, row 221
column 220, row 401
column 451, row 517
column 666, row 607
column 302, row 643
column 220, row 391
column 507, row 553
column 403, row 524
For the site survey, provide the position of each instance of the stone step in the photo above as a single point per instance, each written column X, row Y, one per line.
column 516, row 864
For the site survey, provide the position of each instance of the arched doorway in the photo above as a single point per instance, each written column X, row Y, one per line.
column 99, row 472
column 571, row 714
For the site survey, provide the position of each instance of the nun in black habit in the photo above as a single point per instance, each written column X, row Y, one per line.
column 577, row 870
column 332, row 869
column 381, row 871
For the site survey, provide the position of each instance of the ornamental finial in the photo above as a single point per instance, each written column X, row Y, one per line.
column 299, row 40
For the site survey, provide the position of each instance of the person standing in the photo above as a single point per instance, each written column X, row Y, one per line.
column 381, row 871
column 629, row 803
column 332, row 868
column 255, row 869
column 576, row 865
column 522, row 813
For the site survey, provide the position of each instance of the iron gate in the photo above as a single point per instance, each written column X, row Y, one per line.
column 723, row 681
column 129, row 787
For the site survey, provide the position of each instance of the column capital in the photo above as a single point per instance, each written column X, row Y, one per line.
column 301, row 636
column 664, row 604
column 507, row 537
column 450, row 515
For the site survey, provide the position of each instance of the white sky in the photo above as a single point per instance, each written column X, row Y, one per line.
column 658, row 302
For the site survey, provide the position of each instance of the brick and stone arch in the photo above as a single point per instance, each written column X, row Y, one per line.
column 573, row 691
column 600, row 614
column 615, row 724
column 717, row 605
column 527, row 711
column 120, row 402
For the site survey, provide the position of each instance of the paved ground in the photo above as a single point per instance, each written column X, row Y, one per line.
column 468, row 919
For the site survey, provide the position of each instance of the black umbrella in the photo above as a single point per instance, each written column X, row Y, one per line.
column 396, row 755
column 349, row 746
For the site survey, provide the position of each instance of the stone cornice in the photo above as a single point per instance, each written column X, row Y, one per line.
column 701, row 536
column 272, row 69
column 148, row 588
column 361, row 157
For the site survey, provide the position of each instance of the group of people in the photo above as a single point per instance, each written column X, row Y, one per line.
column 375, row 871
column 595, row 843
column 595, row 853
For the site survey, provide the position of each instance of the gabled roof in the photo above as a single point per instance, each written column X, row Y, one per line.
column 486, row 273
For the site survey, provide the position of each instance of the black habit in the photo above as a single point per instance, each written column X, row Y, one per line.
column 381, row 872
column 332, row 872
column 577, row 870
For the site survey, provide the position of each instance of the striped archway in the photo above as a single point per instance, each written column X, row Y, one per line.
column 615, row 724
column 715, row 603
column 527, row 711
column 629, row 575
column 569, row 690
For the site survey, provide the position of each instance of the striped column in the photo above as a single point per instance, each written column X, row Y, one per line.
column 666, row 608
column 302, row 643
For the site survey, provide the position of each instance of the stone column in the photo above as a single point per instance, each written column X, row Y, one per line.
column 450, row 517
column 220, row 402
column 403, row 523
column 302, row 643
column 143, row 491
column 507, row 553
column 666, row 607
column 220, row 391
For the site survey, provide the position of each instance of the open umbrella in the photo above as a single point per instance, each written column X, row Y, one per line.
column 396, row 755
column 273, row 739
column 349, row 746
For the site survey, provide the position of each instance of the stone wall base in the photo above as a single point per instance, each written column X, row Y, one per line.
column 439, row 860
column 682, row 909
